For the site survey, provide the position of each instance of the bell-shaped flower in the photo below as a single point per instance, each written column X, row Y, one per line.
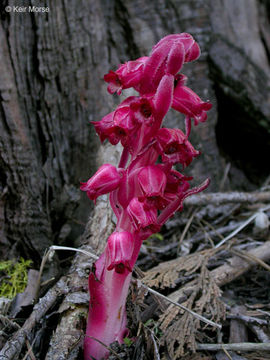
column 152, row 181
column 119, row 251
column 174, row 147
column 126, row 76
column 189, row 103
column 105, row 128
column 141, row 213
column 117, row 125
column 142, row 110
column 105, row 180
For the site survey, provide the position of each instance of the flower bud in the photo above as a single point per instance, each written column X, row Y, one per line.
column 189, row 103
column 119, row 251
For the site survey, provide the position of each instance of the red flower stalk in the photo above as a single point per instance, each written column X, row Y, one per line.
column 143, row 193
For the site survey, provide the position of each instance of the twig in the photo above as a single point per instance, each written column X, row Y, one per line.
column 5, row 320
column 29, row 351
column 88, row 253
column 236, row 266
column 196, row 238
column 235, row 347
column 225, row 176
column 236, row 231
column 212, row 228
column 206, row 234
column 185, row 231
column 251, row 257
column 227, row 197
column 248, row 319
column 227, row 354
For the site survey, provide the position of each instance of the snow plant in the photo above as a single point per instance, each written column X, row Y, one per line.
column 145, row 190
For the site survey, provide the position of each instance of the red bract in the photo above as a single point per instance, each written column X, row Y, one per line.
column 189, row 103
column 176, row 182
column 143, row 192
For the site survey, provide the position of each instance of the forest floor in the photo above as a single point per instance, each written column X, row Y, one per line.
column 201, row 290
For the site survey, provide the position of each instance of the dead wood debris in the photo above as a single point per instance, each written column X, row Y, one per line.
column 204, row 300
column 202, row 294
column 235, row 347
column 228, row 197
column 197, row 278
column 12, row 348
column 168, row 274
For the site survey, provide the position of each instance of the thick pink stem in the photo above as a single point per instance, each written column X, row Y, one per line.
column 107, row 315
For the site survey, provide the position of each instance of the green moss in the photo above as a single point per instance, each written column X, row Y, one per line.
column 13, row 277
column 128, row 341
column 157, row 236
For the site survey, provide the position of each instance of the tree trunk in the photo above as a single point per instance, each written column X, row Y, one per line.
column 51, row 86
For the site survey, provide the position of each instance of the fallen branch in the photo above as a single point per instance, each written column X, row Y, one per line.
column 13, row 347
column 235, row 347
column 236, row 266
column 228, row 272
column 227, row 197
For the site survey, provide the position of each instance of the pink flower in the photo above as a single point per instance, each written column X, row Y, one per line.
column 105, row 180
column 143, row 192
column 174, row 147
column 126, row 76
column 190, row 104
column 105, row 128
column 117, row 125
column 119, row 251
column 152, row 181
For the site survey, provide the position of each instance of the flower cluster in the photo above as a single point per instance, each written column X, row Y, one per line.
column 145, row 190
